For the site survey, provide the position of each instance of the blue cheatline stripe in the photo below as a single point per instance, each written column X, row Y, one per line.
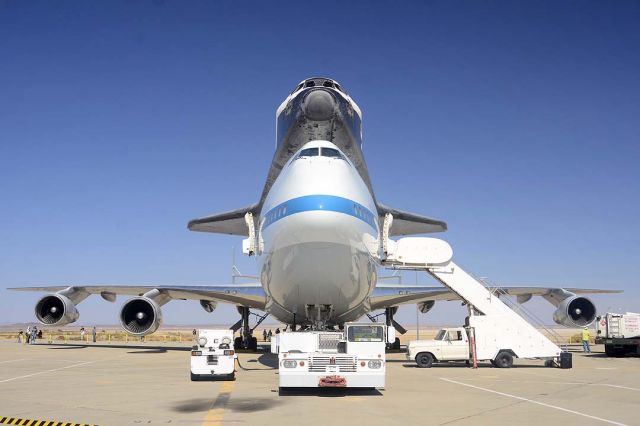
column 329, row 203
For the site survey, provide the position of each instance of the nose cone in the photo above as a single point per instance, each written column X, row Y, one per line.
column 319, row 105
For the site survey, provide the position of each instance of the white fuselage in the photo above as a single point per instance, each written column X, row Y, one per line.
column 319, row 239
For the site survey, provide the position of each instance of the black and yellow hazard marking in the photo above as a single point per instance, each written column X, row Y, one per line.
column 30, row 422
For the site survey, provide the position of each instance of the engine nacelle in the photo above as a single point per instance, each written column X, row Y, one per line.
column 576, row 311
column 425, row 307
column 208, row 305
column 140, row 316
column 56, row 309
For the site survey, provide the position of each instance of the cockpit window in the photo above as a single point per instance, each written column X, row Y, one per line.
column 309, row 152
column 310, row 83
column 331, row 152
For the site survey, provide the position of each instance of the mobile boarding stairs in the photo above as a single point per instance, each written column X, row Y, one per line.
column 508, row 330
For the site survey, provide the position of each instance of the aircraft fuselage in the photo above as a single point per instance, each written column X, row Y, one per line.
column 318, row 229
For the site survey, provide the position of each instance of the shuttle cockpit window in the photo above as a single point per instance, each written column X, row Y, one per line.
column 331, row 152
column 309, row 152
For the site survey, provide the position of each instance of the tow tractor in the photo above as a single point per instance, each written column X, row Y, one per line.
column 213, row 356
column 353, row 357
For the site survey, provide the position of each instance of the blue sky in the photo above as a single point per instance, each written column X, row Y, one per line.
column 516, row 122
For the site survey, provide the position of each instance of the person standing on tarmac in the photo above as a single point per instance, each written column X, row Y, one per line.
column 585, row 340
column 94, row 332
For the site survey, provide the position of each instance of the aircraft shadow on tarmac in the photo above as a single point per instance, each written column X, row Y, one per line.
column 237, row 404
column 142, row 348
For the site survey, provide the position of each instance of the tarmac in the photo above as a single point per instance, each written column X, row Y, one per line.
column 110, row 384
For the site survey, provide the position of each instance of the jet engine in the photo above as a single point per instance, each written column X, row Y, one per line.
column 425, row 307
column 208, row 305
column 576, row 311
column 140, row 316
column 56, row 309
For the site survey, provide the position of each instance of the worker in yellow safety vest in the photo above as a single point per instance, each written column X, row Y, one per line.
column 585, row 340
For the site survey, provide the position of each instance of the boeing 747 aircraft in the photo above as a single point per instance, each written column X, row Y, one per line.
column 317, row 231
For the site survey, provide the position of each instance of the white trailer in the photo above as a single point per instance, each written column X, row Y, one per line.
column 354, row 357
column 620, row 333
column 213, row 356
column 498, row 329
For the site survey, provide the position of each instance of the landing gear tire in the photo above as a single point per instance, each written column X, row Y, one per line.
column 237, row 343
column 424, row 360
column 492, row 362
column 396, row 344
column 609, row 350
column 619, row 352
column 253, row 344
column 503, row 360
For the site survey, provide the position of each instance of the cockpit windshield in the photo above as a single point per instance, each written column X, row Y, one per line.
column 331, row 152
column 324, row 152
column 309, row 152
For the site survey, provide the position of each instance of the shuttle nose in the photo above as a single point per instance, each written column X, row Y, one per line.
column 319, row 105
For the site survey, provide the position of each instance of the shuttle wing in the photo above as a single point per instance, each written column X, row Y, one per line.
column 231, row 222
column 405, row 223
column 250, row 295
column 388, row 295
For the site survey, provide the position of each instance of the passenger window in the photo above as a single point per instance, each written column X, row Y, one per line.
column 331, row 152
column 309, row 152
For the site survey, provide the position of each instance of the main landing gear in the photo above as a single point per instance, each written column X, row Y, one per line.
column 388, row 315
column 246, row 340
column 390, row 322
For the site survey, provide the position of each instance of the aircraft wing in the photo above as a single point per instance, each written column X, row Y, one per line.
column 231, row 222
column 405, row 223
column 250, row 295
column 388, row 295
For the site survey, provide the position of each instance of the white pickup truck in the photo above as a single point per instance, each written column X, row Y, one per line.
column 452, row 344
